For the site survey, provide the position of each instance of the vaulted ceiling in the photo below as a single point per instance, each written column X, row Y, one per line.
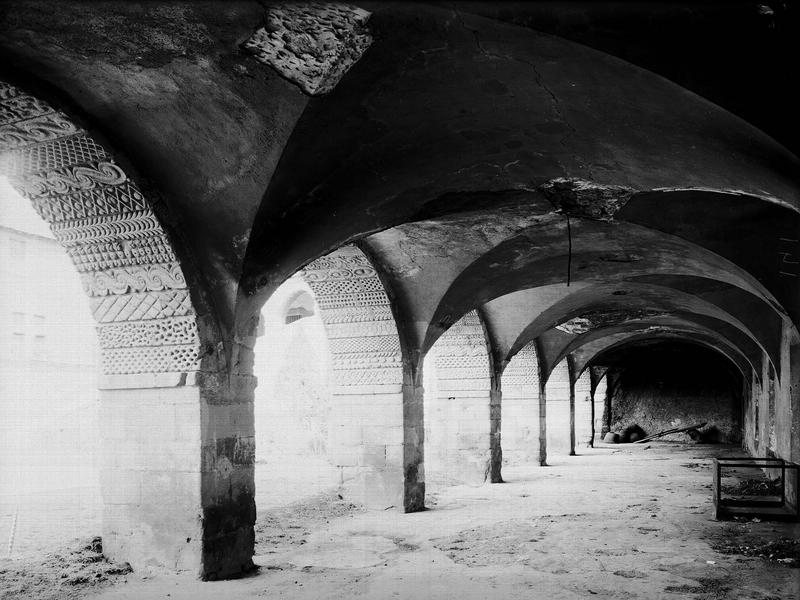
column 555, row 166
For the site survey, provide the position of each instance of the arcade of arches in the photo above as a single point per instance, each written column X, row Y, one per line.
column 483, row 213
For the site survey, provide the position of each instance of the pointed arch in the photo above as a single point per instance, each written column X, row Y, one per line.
column 379, row 448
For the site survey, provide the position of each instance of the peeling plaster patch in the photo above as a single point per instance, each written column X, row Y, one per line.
column 312, row 44
column 581, row 198
column 605, row 318
column 576, row 326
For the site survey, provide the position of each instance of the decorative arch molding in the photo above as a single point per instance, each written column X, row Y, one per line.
column 358, row 318
column 177, row 480
column 146, row 322
column 379, row 445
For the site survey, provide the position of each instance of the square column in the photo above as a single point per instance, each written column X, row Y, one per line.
column 177, row 472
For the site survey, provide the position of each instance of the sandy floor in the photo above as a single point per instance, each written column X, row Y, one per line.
column 615, row 522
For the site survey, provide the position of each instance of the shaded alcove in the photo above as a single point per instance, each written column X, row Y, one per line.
column 662, row 385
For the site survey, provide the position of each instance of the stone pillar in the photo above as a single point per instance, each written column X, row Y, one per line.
column 584, row 421
column 793, row 377
column 227, row 467
column 542, row 422
column 413, row 444
column 783, row 417
column 520, row 384
column 459, row 420
column 611, row 382
column 599, row 387
column 151, row 474
column 592, row 417
column 751, row 414
column 766, row 403
column 374, row 434
column 794, row 395
column 177, row 472
column 593, row 383
column 571, row 375
column 787, row 404
column 495, row 427
column 571, row 417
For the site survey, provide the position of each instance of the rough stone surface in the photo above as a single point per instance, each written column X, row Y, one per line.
column 678, row 386
column 603, row 318
column 580, row 198
column 312, row 44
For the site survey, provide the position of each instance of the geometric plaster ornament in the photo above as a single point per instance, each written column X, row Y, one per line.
column 357, row 315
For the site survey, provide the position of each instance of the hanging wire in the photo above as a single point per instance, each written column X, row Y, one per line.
column 569, row 255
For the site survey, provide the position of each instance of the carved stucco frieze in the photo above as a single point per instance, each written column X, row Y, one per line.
column 139, row 296
column 461, row 357
column 102, row 200
column 142, row 306
column 521, row 376
column 119, row 253
column 145, row 278
column 37, row 129
column 311, row 44
column 358, row 319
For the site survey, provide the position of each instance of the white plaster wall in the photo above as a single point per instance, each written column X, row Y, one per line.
column 296, row 425
column 48, row 393
column 557, row 391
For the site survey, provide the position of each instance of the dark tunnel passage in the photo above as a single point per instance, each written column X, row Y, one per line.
column 665, row 385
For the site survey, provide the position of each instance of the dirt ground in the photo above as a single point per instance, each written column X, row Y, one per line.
column 614, row 522
column 70, row 572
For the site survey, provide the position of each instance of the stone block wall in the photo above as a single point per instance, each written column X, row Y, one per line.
column 457, row 405
column 368, row 440
column 557, row 390
column 151, row 481
column 520, row 425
